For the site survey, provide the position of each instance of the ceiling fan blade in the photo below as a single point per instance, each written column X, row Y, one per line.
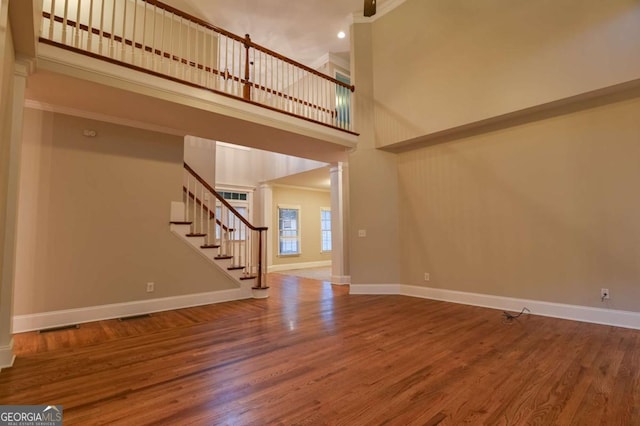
column 369, row 7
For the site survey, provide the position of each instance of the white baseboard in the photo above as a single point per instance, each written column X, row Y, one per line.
column 375, row 289
column 22, row 323
column 6, row 355
column 301, row 265
column 589, row 314
column 340, row 279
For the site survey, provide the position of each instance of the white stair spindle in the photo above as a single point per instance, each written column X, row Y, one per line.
column 113, row 31
column 202, row 210
column 101, row 36
column 170, row 44
column 195, row 206
column 76, row 38
column 211, row 76
column 246, row 248
column 208, row 239
column 154, row 59
column 133, row 31
column 181, row 69
column 143, row 61
column 64, row 21
column 52, row 18
column 189, row 50
column 161, row 62
column 186, row 199
column 236, row 229
column 226, row 231
column 123, row 43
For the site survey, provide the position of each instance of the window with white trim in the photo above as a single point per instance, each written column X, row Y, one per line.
column 239, row 201
column 325, row 229
column 288, row 230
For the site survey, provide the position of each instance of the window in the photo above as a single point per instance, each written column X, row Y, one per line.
column 228, row 195
column 343, row 102
column 288, row 230
column 325, row 228
column 240, row 202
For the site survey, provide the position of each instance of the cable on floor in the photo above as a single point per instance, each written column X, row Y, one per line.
column 508, row 317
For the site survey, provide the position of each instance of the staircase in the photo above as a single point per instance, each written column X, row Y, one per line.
column 209, row 224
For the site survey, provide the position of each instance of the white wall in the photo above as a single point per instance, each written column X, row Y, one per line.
column 248, row 166
column 200, row 155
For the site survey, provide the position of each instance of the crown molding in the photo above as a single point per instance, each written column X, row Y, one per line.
column 299, row 187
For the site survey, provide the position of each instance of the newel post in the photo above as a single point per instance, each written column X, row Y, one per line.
column 261, row 290
column 246, row 92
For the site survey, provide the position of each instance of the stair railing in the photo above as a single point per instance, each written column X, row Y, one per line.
column 224, row 228
column 150, row 36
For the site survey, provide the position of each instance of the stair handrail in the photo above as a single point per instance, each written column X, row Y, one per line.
column 261, row 230
column 207, row 209
column 223, row 201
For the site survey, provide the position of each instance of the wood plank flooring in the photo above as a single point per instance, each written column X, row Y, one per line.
column 312, row 354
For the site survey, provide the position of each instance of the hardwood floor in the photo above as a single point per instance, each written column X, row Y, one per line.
column 312, row 354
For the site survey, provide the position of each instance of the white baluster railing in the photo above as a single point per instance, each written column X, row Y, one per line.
column 146, row 34
column 233, row 235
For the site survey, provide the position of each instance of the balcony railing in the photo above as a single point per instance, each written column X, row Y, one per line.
column 153, row 37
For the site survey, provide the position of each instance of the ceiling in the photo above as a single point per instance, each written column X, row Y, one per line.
column 303, row 30
column 316, row 179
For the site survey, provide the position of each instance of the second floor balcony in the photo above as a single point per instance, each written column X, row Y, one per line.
column 157, row 39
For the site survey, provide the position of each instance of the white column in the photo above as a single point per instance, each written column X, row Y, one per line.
column 339, row 224
column 22, row 70
column 264, row 217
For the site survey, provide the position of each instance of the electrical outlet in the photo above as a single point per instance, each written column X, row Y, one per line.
column 427, row 277
column 150, row 287
column 604, row 293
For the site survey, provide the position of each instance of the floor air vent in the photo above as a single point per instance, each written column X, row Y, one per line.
column 133, row 317
column 64, row 327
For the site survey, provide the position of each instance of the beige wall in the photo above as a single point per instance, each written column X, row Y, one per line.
column 547, row 210
column 544, row 210
column 7, row 62
column 445, row 63
column 93, row 226
column 310, row 203
column 373, row 180
column 6, row 94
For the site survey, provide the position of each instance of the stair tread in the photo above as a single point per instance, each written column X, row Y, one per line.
column 207, row 246
column 175, row 222
column 235, row 268
column 223, row 257
column 248, row 277
column 196, row 235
